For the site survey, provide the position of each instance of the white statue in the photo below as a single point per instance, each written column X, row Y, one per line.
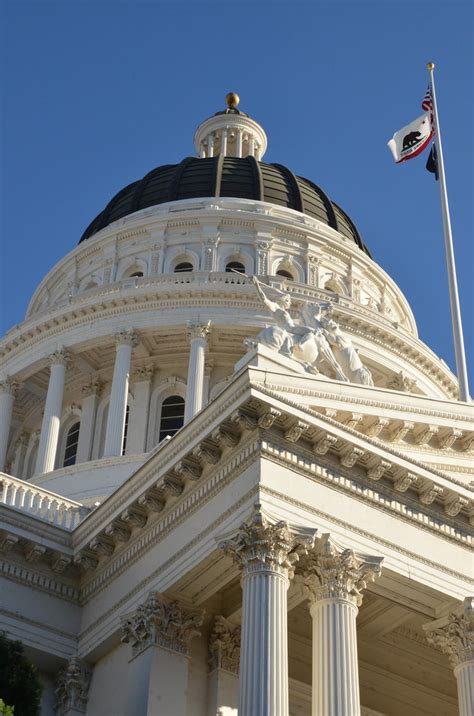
column 346, row 354
column 317, row 341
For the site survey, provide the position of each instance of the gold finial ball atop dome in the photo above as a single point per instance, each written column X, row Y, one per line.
column 430, row 66
column 232, row 99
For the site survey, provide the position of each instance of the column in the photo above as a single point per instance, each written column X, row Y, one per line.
column 223, row 683
column 138, row 421
column 8, row 391
column 72, row 688
column 210, row 145
column 202, row 151
column 454, row 635
column 125, row 341
column 90, row 396
column 238, row 143
column 252, row 146
column 223, row 149
column 334, row 579
column 266, row 551
column 197, row 333
column 21, row 446
column 159, row 632
column 48, row 443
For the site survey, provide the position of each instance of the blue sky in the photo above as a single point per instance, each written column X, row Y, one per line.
column 96, row 94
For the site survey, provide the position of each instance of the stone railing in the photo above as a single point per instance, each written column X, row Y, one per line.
column 40, row 503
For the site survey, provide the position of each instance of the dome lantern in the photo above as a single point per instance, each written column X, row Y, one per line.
column 230, row 133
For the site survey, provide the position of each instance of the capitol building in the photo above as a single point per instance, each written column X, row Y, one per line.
column 233, row 478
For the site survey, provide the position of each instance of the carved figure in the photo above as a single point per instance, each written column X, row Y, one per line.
column 346, row 354
column 285, row 335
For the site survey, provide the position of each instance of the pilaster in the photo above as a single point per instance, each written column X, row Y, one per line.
column 159, row 633
column 139, row 410
column 90, row 396
column 223, row 683
column 72, row 689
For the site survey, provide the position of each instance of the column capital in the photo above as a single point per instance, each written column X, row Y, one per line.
column 261, row 545
column 454, row 634
column 72, row 686
column 330, row 572
column 127, row 337
column 198, row 330
column 23, row 439
column 92, row 387
column 9, row 386
column 224, row 646
column 60, row 357
column 143, row 373
column 161, row 622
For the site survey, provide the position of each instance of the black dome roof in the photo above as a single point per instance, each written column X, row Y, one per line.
column 226, row 177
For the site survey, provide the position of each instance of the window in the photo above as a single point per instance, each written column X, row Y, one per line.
column 235, row 266
column 172, row 416
column 125, row 429
column 285, row 274
column 72, row 440
column 183, row 267
column 136, row 274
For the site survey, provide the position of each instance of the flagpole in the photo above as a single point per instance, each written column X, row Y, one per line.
column 461, row 367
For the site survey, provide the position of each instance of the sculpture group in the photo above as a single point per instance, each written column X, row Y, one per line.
column 316, row 340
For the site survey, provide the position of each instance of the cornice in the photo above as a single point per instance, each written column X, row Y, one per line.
column 116, row 301
column 35, row 580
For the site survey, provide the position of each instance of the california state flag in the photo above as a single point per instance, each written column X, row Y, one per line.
column 412, row 139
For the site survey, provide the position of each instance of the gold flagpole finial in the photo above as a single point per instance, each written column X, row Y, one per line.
column 430, row 66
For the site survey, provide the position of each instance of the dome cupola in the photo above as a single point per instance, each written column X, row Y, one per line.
column 230, row 133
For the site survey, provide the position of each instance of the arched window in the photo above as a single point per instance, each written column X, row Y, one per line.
column 183, row 267
column 233, row 266
column 125, row 429
column 172, row 416
column 72, row 441
column 136, row 274
column 285, row 274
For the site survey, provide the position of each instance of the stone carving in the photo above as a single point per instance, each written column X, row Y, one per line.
column 262, row 545
column 143, row 373
column 10, row 386
column 224, row 646
column 332, row 573
column 93, row 387
column 198, row 330
column 72, row 687
column 402, row 382
column 60, row 357
column 162, row 622
column 454, row 634
column 317, row 341
column 126, row 337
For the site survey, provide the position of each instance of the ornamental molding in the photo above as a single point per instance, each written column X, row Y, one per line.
column 92, row 387
column 454, row 634
column 72, row 687
column 160, row 622
column 34, row 579
column 224, row 646
column 264, row 490
column 330, row 572
column 261, row 545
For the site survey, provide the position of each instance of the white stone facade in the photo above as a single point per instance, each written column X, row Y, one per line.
column 299, row 545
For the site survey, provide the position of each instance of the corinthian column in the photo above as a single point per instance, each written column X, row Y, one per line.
column 159, row 632
column 267, row 553
column 48, row 443
column 194, row 393
column 125, row 340
column 334, row 580
column 454, row 635
column 8, row 391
